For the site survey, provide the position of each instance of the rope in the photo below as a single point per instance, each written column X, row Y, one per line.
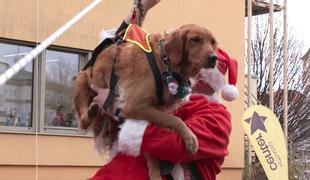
column 139, row 6
column 34, row 53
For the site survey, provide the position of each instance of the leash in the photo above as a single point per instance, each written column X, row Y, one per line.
column 138, row 6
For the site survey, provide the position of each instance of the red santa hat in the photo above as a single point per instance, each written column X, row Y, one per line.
column 215, row 78
column 229, row 91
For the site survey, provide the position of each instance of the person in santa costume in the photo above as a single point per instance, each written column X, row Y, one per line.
column 202, row 112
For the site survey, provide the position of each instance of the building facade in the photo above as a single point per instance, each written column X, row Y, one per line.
column 38, row 132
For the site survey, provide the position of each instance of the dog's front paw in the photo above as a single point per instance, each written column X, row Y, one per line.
column 93, row 110
column 191, row 142
column 84, row 122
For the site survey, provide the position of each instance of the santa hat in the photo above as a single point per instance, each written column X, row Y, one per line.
column 215, row 78
column 229, row 91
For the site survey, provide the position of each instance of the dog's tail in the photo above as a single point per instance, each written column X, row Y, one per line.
column 105, row 130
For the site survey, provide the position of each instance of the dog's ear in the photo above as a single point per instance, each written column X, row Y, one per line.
column 174, row 44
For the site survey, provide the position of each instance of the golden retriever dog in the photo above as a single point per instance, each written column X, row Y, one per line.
column 188, row 48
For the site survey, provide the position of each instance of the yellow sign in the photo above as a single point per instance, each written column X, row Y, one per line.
column 266, row 136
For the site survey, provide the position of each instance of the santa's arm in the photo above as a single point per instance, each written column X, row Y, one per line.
column 210, row 122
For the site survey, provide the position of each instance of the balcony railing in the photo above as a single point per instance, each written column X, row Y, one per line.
column 262, row 6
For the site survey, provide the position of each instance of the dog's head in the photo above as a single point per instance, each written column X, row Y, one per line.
column 189, row 49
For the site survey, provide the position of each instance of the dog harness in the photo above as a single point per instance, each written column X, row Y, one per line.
column 140, row 37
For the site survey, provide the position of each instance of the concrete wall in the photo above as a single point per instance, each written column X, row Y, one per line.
column 60, row 156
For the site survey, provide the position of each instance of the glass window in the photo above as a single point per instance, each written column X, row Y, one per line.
column 61, row 70
column 16, row 94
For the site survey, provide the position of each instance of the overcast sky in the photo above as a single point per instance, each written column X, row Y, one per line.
column 299, row 20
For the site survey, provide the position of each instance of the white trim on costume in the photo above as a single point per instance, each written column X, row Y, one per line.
column 130, row 136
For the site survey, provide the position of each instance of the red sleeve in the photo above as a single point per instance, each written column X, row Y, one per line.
column 209, row 121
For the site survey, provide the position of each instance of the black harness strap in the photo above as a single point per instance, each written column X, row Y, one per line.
column 166, row 168
column 157, row 77
column 102, row 46
column 105, row 44
column 113, row 81
column 195, row 175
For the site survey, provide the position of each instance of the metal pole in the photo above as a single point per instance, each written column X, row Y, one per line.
column 271, row 103
column 22, row 62
column 249, row 48
column 285, row 112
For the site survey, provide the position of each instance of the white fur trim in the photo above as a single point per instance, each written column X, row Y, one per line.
column 229, row 93
column 130, row 136
column 213, row 98
column 104, row 34
column 177, row 172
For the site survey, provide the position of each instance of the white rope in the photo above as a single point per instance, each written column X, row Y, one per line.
column 22, row 62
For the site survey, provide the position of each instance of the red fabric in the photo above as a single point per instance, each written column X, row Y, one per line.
column 138, row 36
column 211, row 124
column 123, row 167
column 225, row 62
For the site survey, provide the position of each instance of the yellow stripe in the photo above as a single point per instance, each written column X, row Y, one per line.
column 126, row 31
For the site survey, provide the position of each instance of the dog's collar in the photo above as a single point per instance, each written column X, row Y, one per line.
column 176, row 85
column 163, row 55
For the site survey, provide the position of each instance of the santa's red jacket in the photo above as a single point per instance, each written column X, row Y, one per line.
column 209, row 121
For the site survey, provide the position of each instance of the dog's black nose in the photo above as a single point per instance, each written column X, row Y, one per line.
column 212, row 58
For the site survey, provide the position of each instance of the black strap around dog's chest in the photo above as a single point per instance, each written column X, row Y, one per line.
column 157, row 77
column 113, row 82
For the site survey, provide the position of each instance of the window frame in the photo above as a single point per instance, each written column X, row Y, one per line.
column 83, row 56
column 13, row 129
column 38, row 93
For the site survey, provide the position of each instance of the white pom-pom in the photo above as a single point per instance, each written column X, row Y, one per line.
column 229, row 92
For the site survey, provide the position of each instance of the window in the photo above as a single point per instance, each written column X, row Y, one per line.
column 16, row 94
column 61, row 70
column 41, row 94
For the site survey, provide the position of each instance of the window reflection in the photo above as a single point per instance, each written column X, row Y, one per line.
column 16, row 94
column 61, row 69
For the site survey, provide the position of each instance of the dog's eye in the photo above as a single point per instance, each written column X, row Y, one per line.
column 196, row 39
column 213, row 41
